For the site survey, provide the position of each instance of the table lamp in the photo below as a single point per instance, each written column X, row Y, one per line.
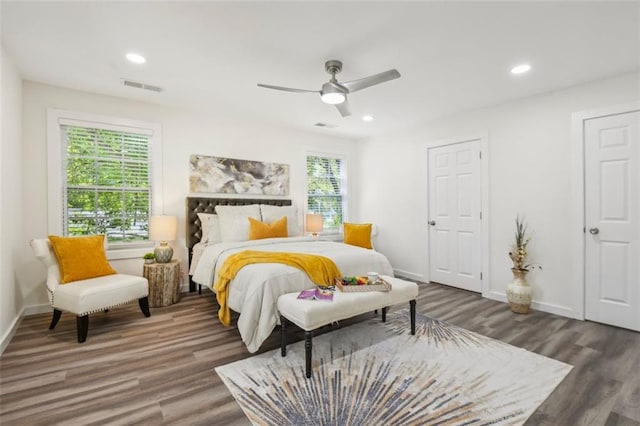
column 315, row 223
column 163, row 229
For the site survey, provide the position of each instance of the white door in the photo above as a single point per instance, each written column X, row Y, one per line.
column 454, row 215
column 612, row 219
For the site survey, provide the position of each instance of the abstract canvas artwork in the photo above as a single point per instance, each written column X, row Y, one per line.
column 232, row 176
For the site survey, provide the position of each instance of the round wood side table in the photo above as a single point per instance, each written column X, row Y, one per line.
column 164, row 282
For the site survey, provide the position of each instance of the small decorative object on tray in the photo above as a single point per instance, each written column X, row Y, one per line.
column 358, row 283
column 318, row 293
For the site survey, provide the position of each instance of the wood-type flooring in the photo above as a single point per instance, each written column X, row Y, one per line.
column 159, row 370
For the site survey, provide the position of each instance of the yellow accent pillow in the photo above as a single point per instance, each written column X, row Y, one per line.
column 358, row 234
column 259, row 230
column 81, row 258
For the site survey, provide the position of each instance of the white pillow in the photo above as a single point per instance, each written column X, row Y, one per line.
column 271, row 214
column 204, row 226
column 210, row 226
column 214, row 229
column 234, row 221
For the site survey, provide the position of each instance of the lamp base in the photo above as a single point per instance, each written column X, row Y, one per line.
column 163, row 253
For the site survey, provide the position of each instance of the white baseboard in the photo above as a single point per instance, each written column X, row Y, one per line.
column 538, row 306
column 8, row 335
column 37, row 309
column 25, row 311
column 409, row 275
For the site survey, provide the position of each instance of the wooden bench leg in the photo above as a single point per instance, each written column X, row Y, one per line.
column 412, row 310
column 384, row 314
column 283, row 336
column 307, row 351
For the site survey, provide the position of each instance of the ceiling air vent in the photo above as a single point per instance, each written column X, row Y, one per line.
column 326, row 125
column 141, row 85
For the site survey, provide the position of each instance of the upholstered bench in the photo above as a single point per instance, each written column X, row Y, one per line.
column 313, row 314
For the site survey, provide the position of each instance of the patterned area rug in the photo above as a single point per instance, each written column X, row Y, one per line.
column 375, row 373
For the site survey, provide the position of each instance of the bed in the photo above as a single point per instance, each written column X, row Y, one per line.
column 255, row 289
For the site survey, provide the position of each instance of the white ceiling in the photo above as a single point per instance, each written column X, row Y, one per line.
column 453, row 56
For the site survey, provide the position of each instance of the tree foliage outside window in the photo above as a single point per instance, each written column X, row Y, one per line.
column 107, row 183
column 326, row 189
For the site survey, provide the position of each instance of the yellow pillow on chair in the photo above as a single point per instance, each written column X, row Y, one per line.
column 358, row 234
column 81, row 258
column 259, row 230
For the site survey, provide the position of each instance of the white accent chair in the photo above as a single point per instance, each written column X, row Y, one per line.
column 84, row 297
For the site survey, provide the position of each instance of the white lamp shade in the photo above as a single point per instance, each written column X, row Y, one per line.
column 163, row 228
column 315, row 223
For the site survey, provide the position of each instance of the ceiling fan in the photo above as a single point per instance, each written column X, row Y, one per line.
column 335, row 92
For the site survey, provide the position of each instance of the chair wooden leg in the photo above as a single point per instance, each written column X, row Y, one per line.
column 144, row 306
column 384, row 314
column 82, row 324
column 55, row 318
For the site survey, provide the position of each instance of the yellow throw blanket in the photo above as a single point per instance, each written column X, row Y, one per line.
column 321, row 270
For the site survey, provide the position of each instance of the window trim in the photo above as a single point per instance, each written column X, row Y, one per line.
column 344, row 187
column 58, row 117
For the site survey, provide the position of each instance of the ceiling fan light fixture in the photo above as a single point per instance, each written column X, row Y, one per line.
column 333, row 98
column 332, row 95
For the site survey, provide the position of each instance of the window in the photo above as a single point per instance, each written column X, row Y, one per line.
column 105, row 170
column 107, row 183
column 326, row 189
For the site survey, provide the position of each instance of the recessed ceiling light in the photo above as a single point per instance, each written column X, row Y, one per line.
column 367, row 118
column 136, row 58
column 520, row 69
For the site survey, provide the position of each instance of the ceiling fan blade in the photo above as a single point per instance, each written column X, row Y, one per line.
column 287, row 89
column 344, row 108
column 372, row 80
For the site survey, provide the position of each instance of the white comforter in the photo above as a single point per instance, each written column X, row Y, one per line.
column 255, row 290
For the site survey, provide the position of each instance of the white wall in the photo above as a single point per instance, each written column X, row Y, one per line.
column 183, row 133
column 12, row 244
column 529, row 172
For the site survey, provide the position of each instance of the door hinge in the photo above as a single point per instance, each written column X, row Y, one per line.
column 480, row 276
column 584, row 229
column 480, row 215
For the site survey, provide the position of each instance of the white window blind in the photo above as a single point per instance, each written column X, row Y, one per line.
column 326, row 189
column 106, row 183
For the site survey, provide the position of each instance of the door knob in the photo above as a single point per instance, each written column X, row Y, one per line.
column 594, row 231
column 432, row 223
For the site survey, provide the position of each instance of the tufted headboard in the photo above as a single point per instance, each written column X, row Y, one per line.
column 197, row 205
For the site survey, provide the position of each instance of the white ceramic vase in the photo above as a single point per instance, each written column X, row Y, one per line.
column 519, row 292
